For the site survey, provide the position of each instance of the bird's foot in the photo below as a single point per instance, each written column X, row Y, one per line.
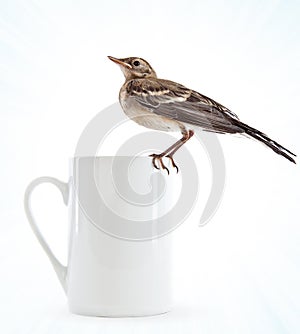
column 173, row 162
column 159, row 158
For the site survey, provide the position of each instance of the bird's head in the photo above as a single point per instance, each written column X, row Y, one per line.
column 134, row 67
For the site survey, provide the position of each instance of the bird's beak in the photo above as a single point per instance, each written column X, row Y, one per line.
column 119, row 62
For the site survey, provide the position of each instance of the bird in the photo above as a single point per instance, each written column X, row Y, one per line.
column 165, row 105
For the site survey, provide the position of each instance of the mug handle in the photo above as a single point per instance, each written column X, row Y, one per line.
column 60, row 270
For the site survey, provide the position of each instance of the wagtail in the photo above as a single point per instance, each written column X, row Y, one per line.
column 165, row 105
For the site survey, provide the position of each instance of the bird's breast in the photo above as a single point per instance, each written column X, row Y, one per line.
column 144, row 116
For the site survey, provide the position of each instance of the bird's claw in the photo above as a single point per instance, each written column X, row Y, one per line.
column 159, row 158
column 173, row 162
column 154, row 157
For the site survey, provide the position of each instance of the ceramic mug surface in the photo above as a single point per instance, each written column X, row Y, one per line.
column 119, row 261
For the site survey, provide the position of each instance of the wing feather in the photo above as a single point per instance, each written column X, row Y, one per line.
column 175, row 101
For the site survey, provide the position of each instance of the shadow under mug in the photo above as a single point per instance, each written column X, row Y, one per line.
column 119, row 258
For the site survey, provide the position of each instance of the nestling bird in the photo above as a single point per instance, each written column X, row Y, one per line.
column 165, row 105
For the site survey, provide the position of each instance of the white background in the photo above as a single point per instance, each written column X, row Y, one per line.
column 238, row 274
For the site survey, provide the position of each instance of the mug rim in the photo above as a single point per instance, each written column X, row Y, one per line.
column 109, row 157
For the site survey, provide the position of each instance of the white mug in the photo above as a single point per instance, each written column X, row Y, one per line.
column 119, row 261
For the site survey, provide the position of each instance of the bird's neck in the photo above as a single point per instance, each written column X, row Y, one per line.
column 134, row 76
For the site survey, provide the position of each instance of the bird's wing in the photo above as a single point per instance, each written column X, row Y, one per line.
column 172, row 100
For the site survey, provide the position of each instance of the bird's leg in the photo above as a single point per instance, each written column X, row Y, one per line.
column 183, row 140
column 186, row 135
column 161, row 155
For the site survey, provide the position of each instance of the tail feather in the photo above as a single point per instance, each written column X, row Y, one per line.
column 279, row 149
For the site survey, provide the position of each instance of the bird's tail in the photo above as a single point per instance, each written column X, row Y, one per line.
column 266, row 140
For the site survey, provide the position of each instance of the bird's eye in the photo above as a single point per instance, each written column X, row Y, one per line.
column 136, row 63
